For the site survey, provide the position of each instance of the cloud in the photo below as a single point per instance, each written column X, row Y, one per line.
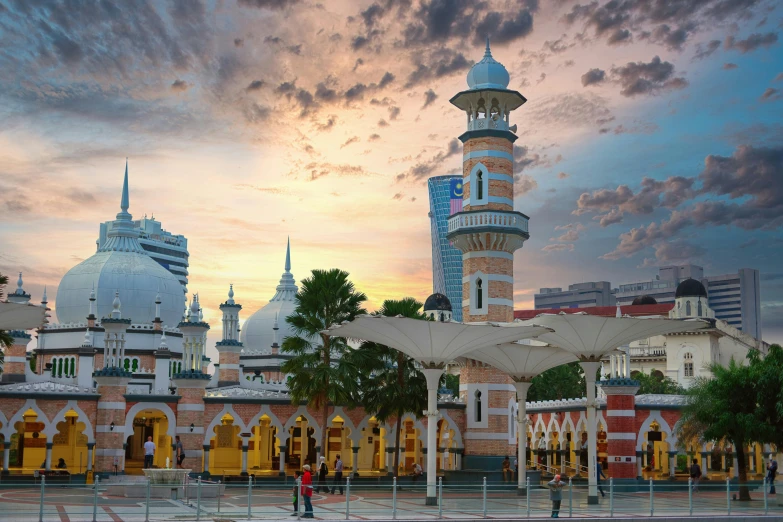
column 524, row 184
column 352, row 139
column 619, row 36
column 502, row 31
column 315, row 170
column 256, row 113
column 593, row 76
column 778, row 78
column 562, row 175
column 386, row 80
column 239, row 42
column 179, row 86
column 751, row 43
column 374, row 137
column 437, row 64
column 705, row 50
column 729, row 66
column 429, row 98
column 770, row 94
column 268, row 4
column 394, row 112
column 255, row 85
column 559, row 247
column 425, row 168
column 398, row 196
column 571, row 232
column 647, row 78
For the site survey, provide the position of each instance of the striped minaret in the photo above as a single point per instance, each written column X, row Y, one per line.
column 230, row 347
column 488, row 231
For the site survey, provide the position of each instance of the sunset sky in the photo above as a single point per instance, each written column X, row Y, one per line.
column 652, row 135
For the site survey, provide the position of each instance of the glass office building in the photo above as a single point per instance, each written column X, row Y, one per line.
column 445, row 199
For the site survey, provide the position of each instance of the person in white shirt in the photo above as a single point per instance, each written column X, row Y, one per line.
column 149, row 452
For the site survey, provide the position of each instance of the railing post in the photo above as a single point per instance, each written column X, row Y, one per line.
column 394, row 498
column 527, row 496
column 250, row 495
column 652, row 498
column 147, row 506
column 728, row 494
column 440, row 497
column 570, row 498
column 484, row 497
column 95, row 483
column 43, row 488
column 198, row 499
column 690, row 497
column 611, row 497
column 348, row 498
column 219, row 494
column 298, row 483
column 766, row 500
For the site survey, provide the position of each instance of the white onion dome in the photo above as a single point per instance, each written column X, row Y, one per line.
column 120, row 265
column 259, row 329
column 488, row 73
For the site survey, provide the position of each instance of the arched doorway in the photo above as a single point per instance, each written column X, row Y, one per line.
column 264, row 448
column 301, row 444
column 225, row 456
column 28, row 443
column 70, row 443
column 372, row 446
column 148, row 423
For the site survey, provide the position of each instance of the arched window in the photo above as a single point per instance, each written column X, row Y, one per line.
column 688, row 308
column 699, row 308
column 479, row 185
column 687, row 367
column 479, row 294
column 477, row 402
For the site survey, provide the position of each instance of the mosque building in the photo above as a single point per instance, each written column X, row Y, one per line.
column 126, row 359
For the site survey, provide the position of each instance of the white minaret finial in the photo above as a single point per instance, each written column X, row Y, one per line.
column 618, row 313
column 163, row 345
column 487, row 52
column 44, row 299
column 230, row 294
column 115, row 313
column 19, row 284
column 288, row 256
column 157, row 304
column 87, row 340
column 92, row 301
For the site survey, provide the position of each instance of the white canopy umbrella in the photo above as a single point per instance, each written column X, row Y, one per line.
column 522, row 362
column 17, row 316
column 433, row 344
column 589, row 337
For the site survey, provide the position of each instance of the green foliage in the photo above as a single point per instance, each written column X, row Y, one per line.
column 655, row 384
column 452, row 384
column 561, row 382
column 5, row 339
column 320, row 372
column 392, row 385
column 724, row 408
column 767, row 374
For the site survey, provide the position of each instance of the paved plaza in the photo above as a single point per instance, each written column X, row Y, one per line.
column 273, row 502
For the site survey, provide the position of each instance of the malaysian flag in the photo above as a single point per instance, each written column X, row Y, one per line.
column 455, row 190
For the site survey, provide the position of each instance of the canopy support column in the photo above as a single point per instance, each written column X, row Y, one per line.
column 433, row 379
column 590, row 368
column 522, row 388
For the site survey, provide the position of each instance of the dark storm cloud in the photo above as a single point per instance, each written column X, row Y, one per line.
column 637, row 78
column 426, row 168
column 386, row 80
column 593, row 76
column 439, row 63
column 748, row 183
column 503, row 28
column 429, row 98
column 672, row 39
column 179, row 86
column 267, row 4
column 705, row 50
column 751, row 43
column 619, row 36
column 255, row 85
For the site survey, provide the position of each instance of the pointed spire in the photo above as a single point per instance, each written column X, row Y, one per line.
column 44, row 299
column 288, row 256
column 163, row 345
column 618, row 313
column 487, row 51
column 92, row 292
column 230, row 294
column 19, row 283
column 115, row 313
column 125, row 202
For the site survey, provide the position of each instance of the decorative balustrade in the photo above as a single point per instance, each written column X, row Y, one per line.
column 647, row 351
column 465, row 221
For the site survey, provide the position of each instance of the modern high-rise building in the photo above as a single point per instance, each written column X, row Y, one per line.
column 169, row 250
column 446, row 199
column 580, row 295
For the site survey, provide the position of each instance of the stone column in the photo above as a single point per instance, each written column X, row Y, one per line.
column 355, row 461
column 620, row 427
column 639, row 456
column 433, row 377
column 90, row 449
column 6, row 455
column 563, row 454
column 206, row 448
column 49, row 446
column 228, row 358
column 522, row 388
column 110, row 426
column 162, row 370
column 281, row 472
column 245, row 447
column 590, row 368
column 190, row 411
column 672, row 463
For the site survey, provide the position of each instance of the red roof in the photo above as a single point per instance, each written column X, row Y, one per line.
column 602, row 311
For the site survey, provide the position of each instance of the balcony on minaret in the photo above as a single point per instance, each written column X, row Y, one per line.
column 488, row 229
column 488, row 110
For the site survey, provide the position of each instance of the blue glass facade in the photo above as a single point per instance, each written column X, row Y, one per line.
column 446, row 260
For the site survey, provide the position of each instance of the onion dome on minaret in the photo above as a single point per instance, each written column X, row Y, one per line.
column 437, row 307
column 488, row 73
column 19, row 296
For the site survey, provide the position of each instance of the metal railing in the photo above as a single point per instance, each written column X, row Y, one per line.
column 398, row 499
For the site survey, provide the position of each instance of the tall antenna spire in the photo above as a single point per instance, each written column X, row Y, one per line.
column 487, row 52
column 125, row 202
column 288, row 256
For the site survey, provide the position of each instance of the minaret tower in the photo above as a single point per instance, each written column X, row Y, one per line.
column 230, row 347
column 487, row 231
column 19, row 296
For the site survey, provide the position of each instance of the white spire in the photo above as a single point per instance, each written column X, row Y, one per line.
column 87, row 339
column 92, row 301
column 286, row 289
column 44, row 299
column 287, row 256
column 487, row 52
column 19, row 283
column 115, row 313
column 618, row 313
column 125, row 201
column 163, row 345
column 230, row 294
column 123, row 235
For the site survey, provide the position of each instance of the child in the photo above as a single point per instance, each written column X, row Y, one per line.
column 556, row 495
column 297, row 474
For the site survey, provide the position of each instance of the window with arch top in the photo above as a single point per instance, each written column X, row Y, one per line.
column 478, row 181
column 687, row 366
column 477, row 403
column 480, row 185
column 479, row 293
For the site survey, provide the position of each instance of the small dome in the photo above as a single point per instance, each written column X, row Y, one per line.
column 437, row 302
column 690, row 288
column 644, row 300
column 488, row 73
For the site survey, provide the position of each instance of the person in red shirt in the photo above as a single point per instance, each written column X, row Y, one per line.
column 307, row 491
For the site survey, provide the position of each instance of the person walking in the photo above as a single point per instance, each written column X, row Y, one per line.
column 322, row 472
column 297, row 476
column 338, row 475
column 772, row 471
column 695, row 475
column 307, row 491
column 149, row 452
column 556, row 495
column 179, row 451
column 599, row 474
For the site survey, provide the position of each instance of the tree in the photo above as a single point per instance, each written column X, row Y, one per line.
column 561, row 382
column 395, row 386
column 5, row 338
column 657, row 384
column 767, row 373
column 320, row 372
column 451, row 383
column 723, row 407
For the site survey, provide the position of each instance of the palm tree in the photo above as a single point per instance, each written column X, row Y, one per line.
column 395, row 386
column 5, row 339
column 320, row 371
